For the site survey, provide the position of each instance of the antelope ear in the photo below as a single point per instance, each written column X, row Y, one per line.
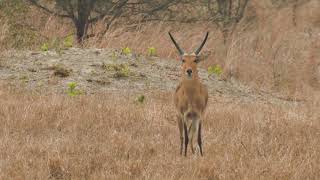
column 203, row 56
column 200, row 58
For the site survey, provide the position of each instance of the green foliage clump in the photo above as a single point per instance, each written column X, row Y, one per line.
column 68, row 41
column 72, row 91
column 140, row 99
column 121, row 70
column 216, row 69
column 152, row 51
column 126, row 51
column 58, row 44
column 45, row 47
column 113, row 67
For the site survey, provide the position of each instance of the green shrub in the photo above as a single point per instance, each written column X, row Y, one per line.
column 152, row 51
column 140, row 99
column 126, row 51
column 72, row 91
column 216, row 69
column 45, row 47
column 68, row 41
column 121, row 70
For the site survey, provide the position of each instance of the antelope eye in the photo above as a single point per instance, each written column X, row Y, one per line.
column 196, row 60
column 183, row 60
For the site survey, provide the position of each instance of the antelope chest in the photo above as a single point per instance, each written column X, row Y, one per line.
column 190, row 98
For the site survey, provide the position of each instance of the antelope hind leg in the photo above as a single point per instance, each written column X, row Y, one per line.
column 192, row 131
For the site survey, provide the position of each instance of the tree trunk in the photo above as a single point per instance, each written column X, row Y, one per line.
column 82, row 21
column 81, row 27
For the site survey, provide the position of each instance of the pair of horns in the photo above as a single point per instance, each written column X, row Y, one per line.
column 182, row 52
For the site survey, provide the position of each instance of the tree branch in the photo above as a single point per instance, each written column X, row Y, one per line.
column 34, row 3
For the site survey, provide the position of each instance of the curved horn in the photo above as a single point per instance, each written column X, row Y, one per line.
column 176, row 44
column 202, row 44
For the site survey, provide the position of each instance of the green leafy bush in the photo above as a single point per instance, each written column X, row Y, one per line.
column 45, row 47
column 126, row 51
column 216, row 69
column 68, row 41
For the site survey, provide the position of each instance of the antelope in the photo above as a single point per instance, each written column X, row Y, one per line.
column 190, row 98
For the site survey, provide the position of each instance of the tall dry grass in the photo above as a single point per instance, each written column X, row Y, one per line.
column 108, row 136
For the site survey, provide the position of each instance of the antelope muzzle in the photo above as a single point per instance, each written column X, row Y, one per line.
column 189, row 73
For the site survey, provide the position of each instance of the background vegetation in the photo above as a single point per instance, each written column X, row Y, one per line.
column 269, row 45
column 246, row 35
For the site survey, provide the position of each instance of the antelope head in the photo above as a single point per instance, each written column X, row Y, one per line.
column 189, row 61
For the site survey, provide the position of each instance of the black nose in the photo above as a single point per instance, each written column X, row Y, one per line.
column 189, row 71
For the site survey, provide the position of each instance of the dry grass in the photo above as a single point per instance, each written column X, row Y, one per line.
column 108, row 136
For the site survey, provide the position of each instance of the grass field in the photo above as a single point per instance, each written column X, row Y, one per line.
column 273, row 50
column 109, row 136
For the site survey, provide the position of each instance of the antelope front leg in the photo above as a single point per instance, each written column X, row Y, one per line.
column 199, row 138
column 180, row 125
column 186, row 139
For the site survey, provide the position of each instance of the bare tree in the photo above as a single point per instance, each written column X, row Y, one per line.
column 226, row 14
column 85, row 12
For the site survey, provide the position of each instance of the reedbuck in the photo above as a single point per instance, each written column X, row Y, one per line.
column 190, row 98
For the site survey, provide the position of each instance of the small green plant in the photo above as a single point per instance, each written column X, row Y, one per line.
column 140, row 99
column 45, row 47
column 216, row 69
column 68, row 41
column 113, row 67
column 72, row 91
column 123, row 72
column 126, row 51
column 152, row 51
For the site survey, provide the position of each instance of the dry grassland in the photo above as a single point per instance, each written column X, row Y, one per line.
column 109, row 136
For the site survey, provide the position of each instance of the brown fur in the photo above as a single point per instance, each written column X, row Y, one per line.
column 190, row 99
